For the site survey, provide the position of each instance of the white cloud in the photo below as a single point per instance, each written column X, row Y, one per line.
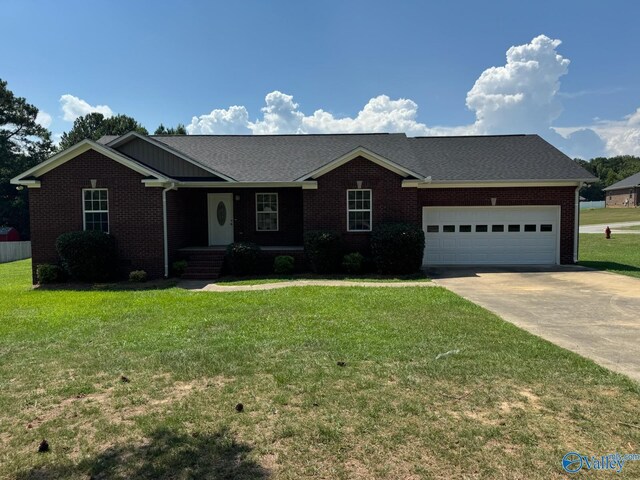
column 74, row 107
column 233, row 120
column 43, row 119
column 282, row 115
column 380, row 114
column 623, row 136
column 521, row 96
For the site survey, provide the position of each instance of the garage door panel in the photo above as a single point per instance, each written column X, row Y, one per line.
column 517, row 239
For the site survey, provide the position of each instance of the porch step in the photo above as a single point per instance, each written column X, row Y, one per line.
column 203, row 264
column 199, row 276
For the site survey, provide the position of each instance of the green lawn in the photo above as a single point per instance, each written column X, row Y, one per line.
column 619, row 254
column 595, row 216
column 506, row 405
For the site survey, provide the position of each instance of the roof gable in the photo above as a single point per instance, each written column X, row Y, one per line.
column 29, row 178
column 365, row 153
column 165, row 158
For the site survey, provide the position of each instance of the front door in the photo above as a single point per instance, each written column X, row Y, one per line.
column 220, row 218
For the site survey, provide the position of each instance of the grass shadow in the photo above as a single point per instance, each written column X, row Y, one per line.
column 166, row 454
column 612, row 266
column 161, row 284
column 319, row 276
column 477, row 270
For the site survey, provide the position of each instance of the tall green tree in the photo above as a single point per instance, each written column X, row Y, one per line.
column 23, row 144
column 180, row 129
column 95, row 125
column 609, row 170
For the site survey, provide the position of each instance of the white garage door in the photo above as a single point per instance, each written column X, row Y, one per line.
column 491, row 235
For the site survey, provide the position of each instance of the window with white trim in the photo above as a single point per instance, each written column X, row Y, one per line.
column 267, row 212
column 95, row 209
column 359, row 210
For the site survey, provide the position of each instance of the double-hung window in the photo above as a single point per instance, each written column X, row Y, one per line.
column 359, row 210
column 267, row 212
column 95, row 209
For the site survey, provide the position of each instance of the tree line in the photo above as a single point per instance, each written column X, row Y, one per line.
column 609, row 170
column 24, row 143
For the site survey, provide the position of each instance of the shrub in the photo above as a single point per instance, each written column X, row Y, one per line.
column 138, row 276
column 178, row 267
column 323, row 250
column 47, row 273
column 243, row 257
column 283, row 264
column 89, row 255
column 353, row 263
column 397, row 247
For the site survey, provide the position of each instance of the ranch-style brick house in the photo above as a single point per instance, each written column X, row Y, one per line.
column 625, row 193
column 510, row 199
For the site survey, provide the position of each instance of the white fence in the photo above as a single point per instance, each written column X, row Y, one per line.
column 10, row 251
column 586, row 205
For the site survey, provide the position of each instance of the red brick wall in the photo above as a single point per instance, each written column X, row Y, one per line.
column 326, row 207
column 563, row 196
column 617, row 198
column 135, row 211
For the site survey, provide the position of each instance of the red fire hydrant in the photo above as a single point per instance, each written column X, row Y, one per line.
column 607, row 233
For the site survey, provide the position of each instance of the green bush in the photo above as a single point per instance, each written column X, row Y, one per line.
column 323, row 250
column 283, row 264
column 243, row 258
column 88, row 255
column 47, row 273
column 353, row 263
column 138, row 276
column 397, row 247
column 178, row 267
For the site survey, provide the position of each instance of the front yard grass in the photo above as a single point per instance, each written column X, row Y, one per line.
column 619, row 254
column 594, row 216
column 144, row 384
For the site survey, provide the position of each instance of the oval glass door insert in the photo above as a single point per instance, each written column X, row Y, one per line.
column 221, row 213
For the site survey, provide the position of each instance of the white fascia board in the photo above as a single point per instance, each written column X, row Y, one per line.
column 308, row 185
column 494, row 184
column 360, row 152
column 131, row 135
column 78, row 149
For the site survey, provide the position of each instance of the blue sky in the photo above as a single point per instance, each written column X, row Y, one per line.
column 366, row 65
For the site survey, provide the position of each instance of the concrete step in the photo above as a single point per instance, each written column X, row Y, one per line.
column 199, row 276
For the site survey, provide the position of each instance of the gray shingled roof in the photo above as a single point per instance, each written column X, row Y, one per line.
column 103, row 140
column 629, row 182
column 286, row 158
column 490, row 158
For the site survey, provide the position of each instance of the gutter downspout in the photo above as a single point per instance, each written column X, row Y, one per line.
column 576, row 232
column 164, row 228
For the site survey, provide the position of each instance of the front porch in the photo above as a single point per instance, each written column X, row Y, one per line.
column 201, row 222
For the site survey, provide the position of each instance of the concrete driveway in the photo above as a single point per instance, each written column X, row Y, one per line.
column 595, row 314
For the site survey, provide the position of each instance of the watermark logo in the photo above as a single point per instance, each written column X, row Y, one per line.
column 573, row 462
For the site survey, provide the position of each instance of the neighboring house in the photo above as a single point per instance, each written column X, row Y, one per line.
column 9, row 234
column 625, row 193
column 481, row 200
